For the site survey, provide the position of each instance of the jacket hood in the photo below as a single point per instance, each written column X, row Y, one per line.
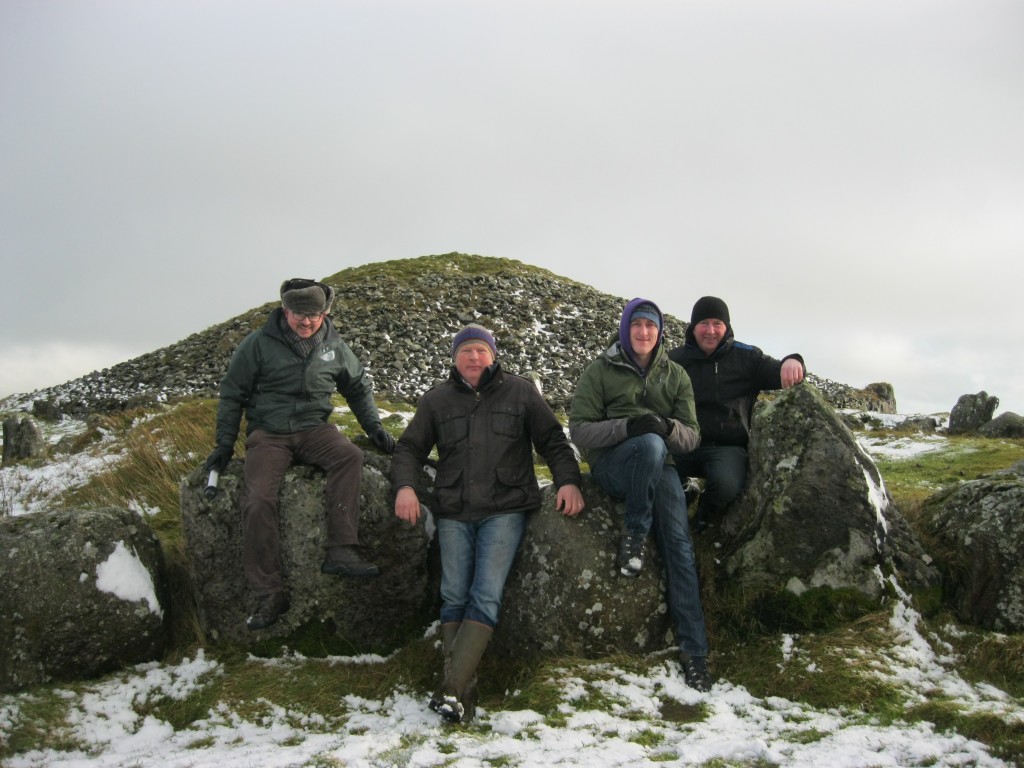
column 624, row 341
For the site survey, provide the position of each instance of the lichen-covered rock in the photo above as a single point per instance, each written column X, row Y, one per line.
column 564, row 594
column 816, row 512
column 83, row 593
column 376, row 614
column 980, row 525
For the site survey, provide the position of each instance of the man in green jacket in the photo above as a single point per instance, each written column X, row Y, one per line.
column 282, row 377
column 632, row 411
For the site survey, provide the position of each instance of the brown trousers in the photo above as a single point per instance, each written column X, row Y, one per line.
column 267, row 457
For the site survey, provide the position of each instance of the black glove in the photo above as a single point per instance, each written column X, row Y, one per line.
column 647, row 423
column 219, row 458
column 383, row 440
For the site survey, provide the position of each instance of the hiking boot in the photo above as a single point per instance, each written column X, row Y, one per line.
column 631, row 555
column 695, row 672
column 268, row 609
column 345, row 561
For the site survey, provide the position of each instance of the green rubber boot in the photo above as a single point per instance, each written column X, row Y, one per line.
column 458, row 698
column 449, row 630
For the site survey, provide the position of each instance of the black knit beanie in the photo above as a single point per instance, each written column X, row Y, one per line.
column 709, row 307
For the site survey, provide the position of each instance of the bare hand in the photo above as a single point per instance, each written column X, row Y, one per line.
column 569, row 500
column 407, row 505
column 792, row 372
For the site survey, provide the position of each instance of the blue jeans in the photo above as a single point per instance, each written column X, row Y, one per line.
column 475, row 560
column 724, row 467
column 635, row 470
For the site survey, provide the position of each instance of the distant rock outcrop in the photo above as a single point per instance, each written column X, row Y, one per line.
column 399, row 317
column 1007, row 424
column 22, row 439
column 980, row 527
column 970, row 412
column 81, row 593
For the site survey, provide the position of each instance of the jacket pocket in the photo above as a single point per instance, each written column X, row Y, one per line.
column 507, row 420
column 451, row 429
column 448, row 490
column 515, row 489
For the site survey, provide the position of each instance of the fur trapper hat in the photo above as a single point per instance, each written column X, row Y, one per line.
column 306, row 297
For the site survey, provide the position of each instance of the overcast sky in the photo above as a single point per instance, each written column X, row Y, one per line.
column 848, row 176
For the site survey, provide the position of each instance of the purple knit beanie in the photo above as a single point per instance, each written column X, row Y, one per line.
column 474, row 332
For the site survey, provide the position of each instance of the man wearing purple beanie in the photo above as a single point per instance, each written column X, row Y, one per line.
column 485, row 423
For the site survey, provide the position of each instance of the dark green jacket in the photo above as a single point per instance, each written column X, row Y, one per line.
column 283, row 393
column 612, row 389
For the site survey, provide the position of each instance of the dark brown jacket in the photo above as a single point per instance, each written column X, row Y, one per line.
column 485, row 440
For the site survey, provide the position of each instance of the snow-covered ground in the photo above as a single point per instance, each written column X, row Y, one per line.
column 739, row 728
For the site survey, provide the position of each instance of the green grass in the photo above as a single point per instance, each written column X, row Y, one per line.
column 911, row 481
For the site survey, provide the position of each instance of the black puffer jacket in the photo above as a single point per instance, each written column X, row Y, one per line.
column 485, row 440
column 726, row 384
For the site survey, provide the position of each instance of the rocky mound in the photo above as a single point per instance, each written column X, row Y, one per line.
column 399, row 317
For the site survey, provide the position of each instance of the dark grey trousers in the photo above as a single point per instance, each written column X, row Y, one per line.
column 267, row 457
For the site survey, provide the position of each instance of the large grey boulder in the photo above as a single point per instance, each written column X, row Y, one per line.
column 1007, row 424
column 816, row 512
column 376, row 614
column 980, row 526
column 970, row 412
column 83, row 593
column 564, row 594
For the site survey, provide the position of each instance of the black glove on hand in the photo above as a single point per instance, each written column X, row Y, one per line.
column 383, row 440
column 647, row 423
column 219, row 458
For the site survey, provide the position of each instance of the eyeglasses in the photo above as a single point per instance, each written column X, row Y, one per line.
column 305, row 316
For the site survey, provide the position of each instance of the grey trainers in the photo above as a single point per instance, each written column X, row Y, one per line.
column 695, row 672
column 630, row 559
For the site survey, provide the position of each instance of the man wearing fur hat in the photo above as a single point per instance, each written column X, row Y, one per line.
column 282, row 377
column 485, row 423
column 632, row 413
column 727, row 377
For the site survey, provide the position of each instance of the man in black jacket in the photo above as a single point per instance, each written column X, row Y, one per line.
column 727, row 377
column 485, row 423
